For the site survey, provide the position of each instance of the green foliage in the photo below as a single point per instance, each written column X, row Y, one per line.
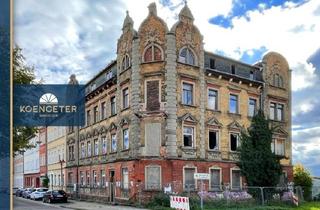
column 45, row 182
column 258, row 163
column 159, row 199
column 301, row 177
column 22, row 74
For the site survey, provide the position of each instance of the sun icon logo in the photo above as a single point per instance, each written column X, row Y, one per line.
column 48, row 98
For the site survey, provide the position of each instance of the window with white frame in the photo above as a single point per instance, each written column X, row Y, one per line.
column 234, row 141
column 213, row 140
column 125, row 178
column 215, row 179
column 276, row 111
column 189, row 181
column 125, row 62
column 233, row 104
column 272, row 111
column 252, row 107
column 187, row 56
column 88, row 178
column 83, row 150
column 88, row 149
column 280, row 112
column 96, row 147
column 125, row 98
column 188, row 136
column 125, row 136
column 104, row 145
column 278, row 146
column 113, row 142
column 88, row 117
column 82, row 183
column 103, row 110
column 95, row 178
column 95, row 114
column 235, row 179
column 187, row 97
column 102, row 178
column 213, row 99
column 153, row 177
column 113, row 105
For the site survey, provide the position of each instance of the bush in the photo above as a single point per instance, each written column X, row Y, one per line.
column 159, row 199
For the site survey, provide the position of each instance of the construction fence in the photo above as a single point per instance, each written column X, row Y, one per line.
column 199, row 193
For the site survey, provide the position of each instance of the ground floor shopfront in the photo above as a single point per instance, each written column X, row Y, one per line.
column 32, row 180
column 138, row 179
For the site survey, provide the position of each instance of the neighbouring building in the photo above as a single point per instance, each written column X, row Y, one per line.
column 31, row 166
column 18, row 170
column 42, row 153
column 166, row 109
column 56, row 136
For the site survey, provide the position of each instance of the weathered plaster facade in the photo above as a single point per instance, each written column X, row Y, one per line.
column 139, row 110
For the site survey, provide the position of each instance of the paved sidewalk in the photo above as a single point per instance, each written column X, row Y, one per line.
column 82, row 205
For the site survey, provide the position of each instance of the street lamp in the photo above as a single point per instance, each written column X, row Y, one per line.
column 61, row 161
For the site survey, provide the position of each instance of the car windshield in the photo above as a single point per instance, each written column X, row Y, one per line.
column 42, row 190
column 58, row 192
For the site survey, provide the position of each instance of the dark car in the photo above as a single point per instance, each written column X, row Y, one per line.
column 55, row 196
column 19, row 192
column 27, row 192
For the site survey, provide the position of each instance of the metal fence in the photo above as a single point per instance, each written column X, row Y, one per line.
column 200, row 194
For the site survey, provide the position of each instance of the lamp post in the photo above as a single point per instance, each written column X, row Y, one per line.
column 61, row 161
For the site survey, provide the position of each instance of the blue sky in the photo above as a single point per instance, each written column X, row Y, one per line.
column 64, row 37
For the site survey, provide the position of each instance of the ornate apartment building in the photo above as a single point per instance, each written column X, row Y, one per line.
column 166, row 109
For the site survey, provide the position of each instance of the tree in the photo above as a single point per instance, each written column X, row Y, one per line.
column 22, row 74
column 45, row 182
column 301, row 177
column 258, row 163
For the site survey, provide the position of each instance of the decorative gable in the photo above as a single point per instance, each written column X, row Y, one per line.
column 103, row 129
column 235, row 126
column 95, row 132
column 112, row 127
column 124, row 121
column 214, row 122
column 82, row 137
column 280, row 131
column 88, row 134
column 188, row 118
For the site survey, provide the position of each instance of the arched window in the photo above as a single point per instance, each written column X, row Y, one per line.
column 277, row 80
column 187, row 56
column 126, row 62
column 152, row 53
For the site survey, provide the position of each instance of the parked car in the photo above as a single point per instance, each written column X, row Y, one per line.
column 55, row 195
column 14, row 190
column 19, row 192
column 27, row 192
column 38, row 193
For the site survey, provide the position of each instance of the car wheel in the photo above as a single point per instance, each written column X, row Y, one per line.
column 50, row 201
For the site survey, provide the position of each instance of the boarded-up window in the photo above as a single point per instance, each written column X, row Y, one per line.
column 236, row 179
column 152, row 97
column 189, row 181
column 215, row 179
column 152, row 139
column 153, row 177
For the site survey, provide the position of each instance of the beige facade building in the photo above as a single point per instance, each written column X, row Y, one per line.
column 56, row 156
column 166, row 109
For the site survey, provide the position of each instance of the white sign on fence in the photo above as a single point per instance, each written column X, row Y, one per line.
column 181, row 203
column 201, row 176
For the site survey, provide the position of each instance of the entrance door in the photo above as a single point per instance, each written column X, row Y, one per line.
column 112, row 186
column 37, row 182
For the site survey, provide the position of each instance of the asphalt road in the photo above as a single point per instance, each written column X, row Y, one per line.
column 26, row 204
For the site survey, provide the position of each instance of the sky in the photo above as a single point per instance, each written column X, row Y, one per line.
column 80, row 36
